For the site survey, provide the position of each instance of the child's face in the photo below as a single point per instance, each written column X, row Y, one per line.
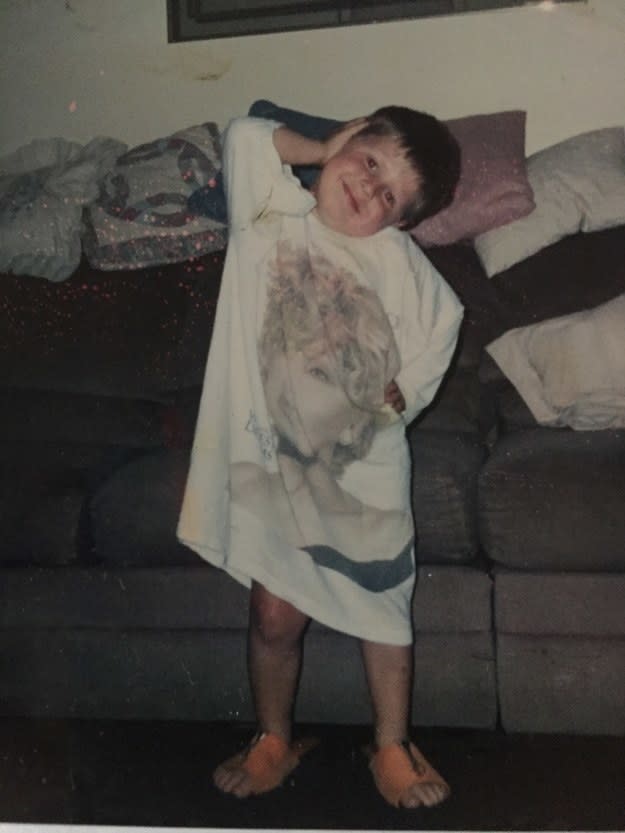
column 365, row 187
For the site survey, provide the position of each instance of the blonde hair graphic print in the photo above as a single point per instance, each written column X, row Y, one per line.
column 334, row 335
column 326, row 352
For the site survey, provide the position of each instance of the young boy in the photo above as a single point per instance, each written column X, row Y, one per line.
column 332, row 332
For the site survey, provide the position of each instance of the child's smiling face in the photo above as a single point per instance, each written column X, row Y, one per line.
column 365, row 187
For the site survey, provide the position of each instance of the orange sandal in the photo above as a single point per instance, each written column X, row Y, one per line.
column 399, row 766
column 267, row 760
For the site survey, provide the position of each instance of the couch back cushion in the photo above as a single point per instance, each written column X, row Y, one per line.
column 552, row 499
column 136, row 334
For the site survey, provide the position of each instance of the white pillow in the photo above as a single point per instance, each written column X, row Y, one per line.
column 578, row 185
column 570, row 370
column 43, row 188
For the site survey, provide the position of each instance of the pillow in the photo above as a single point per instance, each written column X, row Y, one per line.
column 578, row 184
column 43, row 188
column 493, row 187
column 141, row 217
column 570, row 370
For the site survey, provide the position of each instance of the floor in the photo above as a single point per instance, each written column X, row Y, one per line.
column 146, row 773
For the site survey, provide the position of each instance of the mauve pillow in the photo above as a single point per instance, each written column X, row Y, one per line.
column 493, row 188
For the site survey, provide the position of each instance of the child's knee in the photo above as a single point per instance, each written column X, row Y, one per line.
column 275, row 621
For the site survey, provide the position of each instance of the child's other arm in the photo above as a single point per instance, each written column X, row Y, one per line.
column 432, row 317
column 295, row 149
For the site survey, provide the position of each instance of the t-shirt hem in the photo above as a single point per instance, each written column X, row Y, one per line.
column 255, row 572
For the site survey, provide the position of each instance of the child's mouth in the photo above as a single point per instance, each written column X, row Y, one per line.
column 351, row 199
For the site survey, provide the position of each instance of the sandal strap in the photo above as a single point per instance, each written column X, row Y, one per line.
column 269, row 759
column 399, row 766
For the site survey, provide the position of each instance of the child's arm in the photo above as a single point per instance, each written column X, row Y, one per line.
column 430, row 322
column 295, row 149
column 255, row 159
column 256, row 180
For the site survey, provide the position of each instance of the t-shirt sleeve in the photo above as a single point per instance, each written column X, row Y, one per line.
column 431, row 318
column 257, row 184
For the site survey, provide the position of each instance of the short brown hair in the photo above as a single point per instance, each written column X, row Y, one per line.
column 431, row 150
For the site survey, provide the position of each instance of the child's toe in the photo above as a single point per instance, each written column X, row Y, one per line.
column 405, row 778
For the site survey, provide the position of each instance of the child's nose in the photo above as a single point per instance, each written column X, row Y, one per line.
column 367, row 185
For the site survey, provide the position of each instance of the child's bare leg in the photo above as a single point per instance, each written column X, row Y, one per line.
column 389, row 675
column 274, row 659
column 275, row 636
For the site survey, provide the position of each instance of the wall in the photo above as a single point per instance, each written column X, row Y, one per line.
column 80, row 68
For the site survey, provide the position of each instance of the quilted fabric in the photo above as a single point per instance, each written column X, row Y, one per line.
column 142, row 217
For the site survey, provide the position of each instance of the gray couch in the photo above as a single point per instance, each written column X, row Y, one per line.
column 521, row 529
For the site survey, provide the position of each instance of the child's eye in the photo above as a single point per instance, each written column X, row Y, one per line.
column 318, row 373
column 371, row 163
column 389, row 197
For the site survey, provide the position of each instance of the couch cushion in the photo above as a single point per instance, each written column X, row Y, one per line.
column 502, row 404
column 65, row 418
column 165, row 598
column 560, row 604
column 134, row 514
column 559, row 684
column 132, row 334
column 452, row 599
column 447, row 599
column 42, row 492
column 552, row 499
column 456, row 406
column 445, row 467
column 201, row 675
column 47, row 530
column 484, row 309
column 57, row 448
column 135, row 642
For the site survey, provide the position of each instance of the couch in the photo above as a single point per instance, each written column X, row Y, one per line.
column 518, row 607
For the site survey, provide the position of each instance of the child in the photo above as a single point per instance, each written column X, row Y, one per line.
column 332, row 332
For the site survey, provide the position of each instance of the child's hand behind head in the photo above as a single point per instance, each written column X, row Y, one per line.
column 337, row 140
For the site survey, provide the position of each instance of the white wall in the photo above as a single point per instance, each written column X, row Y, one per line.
column 80, row 68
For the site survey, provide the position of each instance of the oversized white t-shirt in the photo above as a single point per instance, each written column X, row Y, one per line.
column 300, row 476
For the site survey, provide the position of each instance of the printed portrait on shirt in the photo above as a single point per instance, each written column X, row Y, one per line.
column 326, row 353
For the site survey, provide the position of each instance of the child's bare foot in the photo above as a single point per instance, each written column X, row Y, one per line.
column 262, row 766
column 405, row 778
